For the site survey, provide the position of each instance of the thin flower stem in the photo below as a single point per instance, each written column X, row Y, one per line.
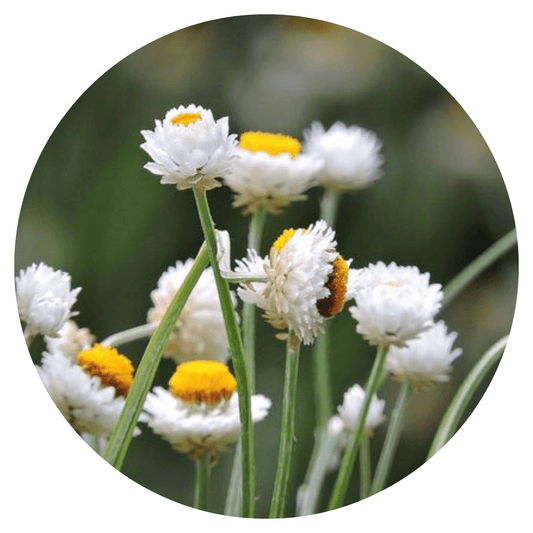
column 130, row 335
column 203, row 469
column 350, row 453
column 122, row 434
column 309, row 491
column 455, row 411
column 329, row 205
column 365, row 472
column 255, row 236
column 391, row 439
column 287, row 437
column 478, row 265
column 238, row 357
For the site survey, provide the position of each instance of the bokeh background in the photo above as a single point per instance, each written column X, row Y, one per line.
column 92, row 210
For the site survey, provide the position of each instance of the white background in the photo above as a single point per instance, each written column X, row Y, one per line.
column 481, row 54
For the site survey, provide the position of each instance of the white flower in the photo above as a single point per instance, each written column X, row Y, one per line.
column 425, row 360
column 351, row 155
column 189, row 149
column 200, row 332
column 394, row 304
column 200, row 414
column 343, row 423
column 83, row 397
column 44, row 299
column 71, row 340
column 270, row 174
column 306, row 280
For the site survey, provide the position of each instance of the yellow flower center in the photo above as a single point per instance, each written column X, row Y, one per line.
column 271, row 143
column 202, row 381
column 281, row 241
column 337, row 284
column 111, row 367
column 184, row 119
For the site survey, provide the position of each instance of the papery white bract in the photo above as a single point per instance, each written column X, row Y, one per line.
column 426, row 359
column 44, row 299
column 297, row 271
column 271, row 181
column 200, row 332
column 71, row 340
column 351, row 155
column 394, row 304
column 190, row 149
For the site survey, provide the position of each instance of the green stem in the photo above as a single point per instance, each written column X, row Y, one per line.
column 350, row 453
column 237, row 355
column 321, row 376
column 130, row 335
column 329, row 205
column 464, row 393
column 391, row 439
column 122, row 434
column 365, row 468
column 309, row 491
column 255, row 236
column 203, row 469
column 287, row 437
column 478, row 265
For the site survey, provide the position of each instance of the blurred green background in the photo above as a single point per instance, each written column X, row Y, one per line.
column 92, row 210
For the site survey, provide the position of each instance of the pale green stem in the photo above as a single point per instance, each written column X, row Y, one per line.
column 309, row 491
column 392, row 439
column 329, row 206
column 365, row 471
column 350, row 453
column 130, row 335
column 255, row 236
column 478, row 265
column 321, row 375
column 464, row 393
column 96, row 442
column 203, row 469
column 287, row 437
column 238, row 357
column 122, row 434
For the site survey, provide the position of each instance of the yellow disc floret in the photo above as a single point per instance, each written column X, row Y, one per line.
column 111, row 367
column 281, row 241
column 184, row 119
column 202, row 381
column 337, row 283
column 271, row 143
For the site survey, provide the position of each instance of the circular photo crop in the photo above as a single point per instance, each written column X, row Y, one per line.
column 266, row 266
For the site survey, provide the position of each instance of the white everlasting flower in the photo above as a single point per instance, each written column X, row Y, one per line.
column 71, row 340
column 270, row 173
column 343, row 423
column 305, row 281
column 351, row 155
column 189, row 149
column 44, row 299
column 200, row 332
column 199, row 415
column 394, row 304
column 425, row 360
column 89, row 394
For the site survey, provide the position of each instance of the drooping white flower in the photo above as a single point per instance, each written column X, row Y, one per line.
column 89, row 393
column 343, row 423
column 189, row 149
column 71, row 340
column 394, row 304
column 270, row 172
column 306, row 280
column 44, row 299
column 200, row 332
column 199, row 415
column 351, row 155
column 426, row 359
